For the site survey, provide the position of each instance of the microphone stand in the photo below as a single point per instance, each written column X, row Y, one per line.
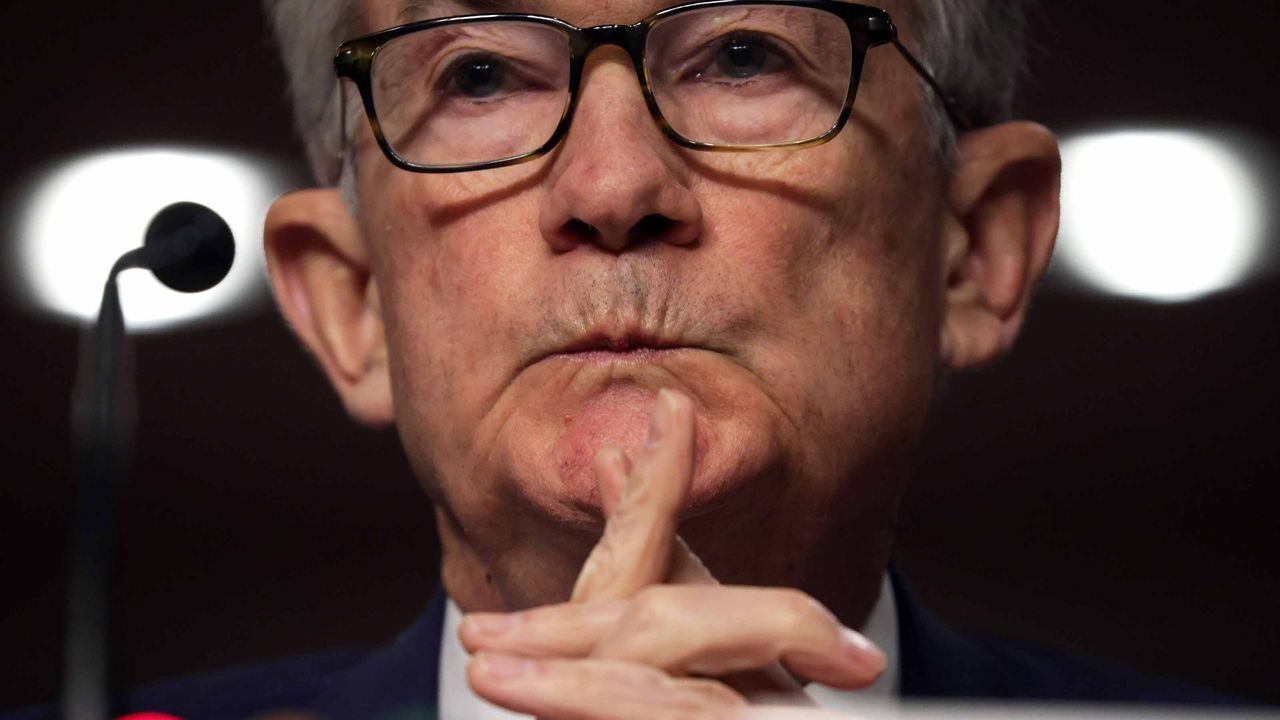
column 189, row 248
column 104, row 426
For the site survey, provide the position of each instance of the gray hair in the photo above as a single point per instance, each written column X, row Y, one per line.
column 974, row 48
column 976, row 51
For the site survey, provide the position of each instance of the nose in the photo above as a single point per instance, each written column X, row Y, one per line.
column 616, row 180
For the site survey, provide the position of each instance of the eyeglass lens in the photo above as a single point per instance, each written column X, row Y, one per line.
column 738, row 75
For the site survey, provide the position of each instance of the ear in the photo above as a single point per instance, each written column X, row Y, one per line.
column 319, row 267
column 997, row 238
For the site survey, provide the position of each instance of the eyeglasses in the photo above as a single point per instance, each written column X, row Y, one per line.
column 485, row 91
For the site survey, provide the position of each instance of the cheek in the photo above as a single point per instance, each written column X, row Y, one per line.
column 444, row 279
column 835, row 249
column 446, row 271
column 772, row 216
column 796, row 230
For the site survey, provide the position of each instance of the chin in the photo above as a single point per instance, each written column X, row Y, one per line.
column 573, row 407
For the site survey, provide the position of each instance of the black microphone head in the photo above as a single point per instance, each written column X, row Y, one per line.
column 189, row 247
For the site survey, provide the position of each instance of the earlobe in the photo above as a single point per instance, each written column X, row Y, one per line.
column 997, row 238
column 320, row 273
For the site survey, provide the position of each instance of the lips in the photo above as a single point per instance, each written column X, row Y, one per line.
column 636, row 347
column 613, row 346
column 607, row 332
column 626, row 343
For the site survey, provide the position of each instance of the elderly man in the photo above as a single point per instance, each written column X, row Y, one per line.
column 651, row 264
column 659, row 311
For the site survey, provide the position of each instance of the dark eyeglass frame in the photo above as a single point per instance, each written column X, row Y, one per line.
column 868, row 27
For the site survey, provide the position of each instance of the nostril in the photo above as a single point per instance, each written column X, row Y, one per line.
column 653, row 226
column 580, row 229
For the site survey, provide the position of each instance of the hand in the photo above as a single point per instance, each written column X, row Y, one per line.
column 630, row 646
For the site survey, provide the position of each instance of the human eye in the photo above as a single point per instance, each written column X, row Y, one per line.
column 737, row 60
column 744, row 56
column 479, row 76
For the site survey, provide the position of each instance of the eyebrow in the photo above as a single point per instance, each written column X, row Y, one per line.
column 411, row 10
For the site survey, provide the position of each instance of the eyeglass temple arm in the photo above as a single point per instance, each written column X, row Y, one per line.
column 958, row 116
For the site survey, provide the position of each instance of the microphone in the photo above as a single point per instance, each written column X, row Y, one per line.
column 189, row 248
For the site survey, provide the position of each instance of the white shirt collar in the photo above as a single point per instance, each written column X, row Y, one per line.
column 458, row 702
column 881, row 629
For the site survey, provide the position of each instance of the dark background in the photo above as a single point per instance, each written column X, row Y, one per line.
column 1109, row 488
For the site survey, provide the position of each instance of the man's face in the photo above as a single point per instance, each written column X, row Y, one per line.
column 533, row 312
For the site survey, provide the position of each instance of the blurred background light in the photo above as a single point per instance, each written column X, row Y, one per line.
column 1159, row 214
column 81, row 215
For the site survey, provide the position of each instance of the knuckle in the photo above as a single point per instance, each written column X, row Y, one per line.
column 649, row 608
column 807, row 617
column 799, row 608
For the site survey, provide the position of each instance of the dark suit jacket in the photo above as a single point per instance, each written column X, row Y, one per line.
column 399, row 681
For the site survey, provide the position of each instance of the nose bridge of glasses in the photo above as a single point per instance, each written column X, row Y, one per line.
column 628, row 37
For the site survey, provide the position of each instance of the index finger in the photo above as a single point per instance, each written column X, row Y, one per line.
column 640, row 532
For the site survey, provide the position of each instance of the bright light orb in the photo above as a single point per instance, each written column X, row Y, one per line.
column 83, row 215
column 1163, row 215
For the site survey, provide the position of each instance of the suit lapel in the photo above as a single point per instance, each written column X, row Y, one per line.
column 397, row 682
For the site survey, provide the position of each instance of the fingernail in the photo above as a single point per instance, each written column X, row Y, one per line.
column 488, row 623
column 660, row 421
column 503, row 667
column 863, row 651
